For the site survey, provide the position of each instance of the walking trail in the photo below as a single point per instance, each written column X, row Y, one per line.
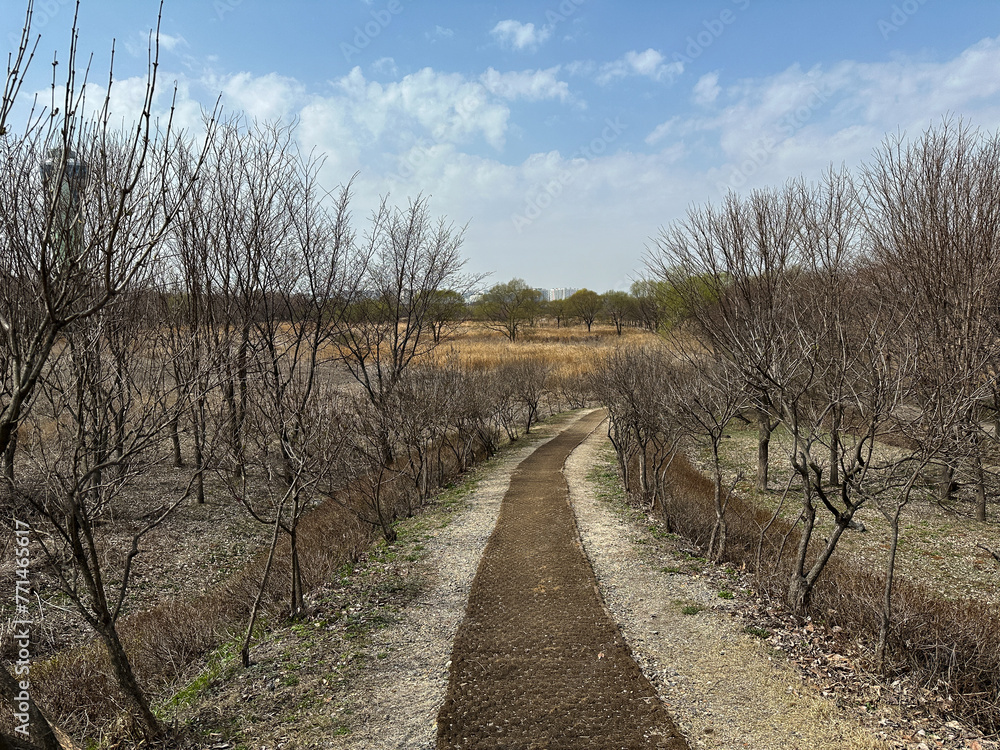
column 535, row 662
column 538, row 662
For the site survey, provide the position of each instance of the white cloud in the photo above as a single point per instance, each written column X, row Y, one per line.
column 425, row 132
column 141, row 43
column 706, row 90
column 532, row 85
column 650, row 64
column 170, row 43
column 443, row 32
column 385, row 66
column 519, row 35
column 764, row 130
column 264, row 97
column 662, row 131
column 444, row 106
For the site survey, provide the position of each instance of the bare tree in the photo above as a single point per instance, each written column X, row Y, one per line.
column 934, row 225
column 76, row 235
column 448, row 312
column 707, row 394
column 105, row 409
column 298, row 271
column 650, row 299
column 636, row 386
column 528, row 378
column 195, row 316
column 619, row 307
column 731, row 269
column 357, row 443
column 406, row 260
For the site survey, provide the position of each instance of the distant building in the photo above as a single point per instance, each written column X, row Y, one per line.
column 563, row 293
column 550, row 295
column 65, row 175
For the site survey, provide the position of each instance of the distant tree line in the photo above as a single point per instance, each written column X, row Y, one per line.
column 513, row 306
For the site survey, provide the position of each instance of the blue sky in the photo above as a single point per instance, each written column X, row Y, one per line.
column 564, row 132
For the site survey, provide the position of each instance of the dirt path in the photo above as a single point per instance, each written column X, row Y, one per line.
column 538, row 662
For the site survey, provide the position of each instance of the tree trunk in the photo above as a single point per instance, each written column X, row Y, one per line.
column 43, row 735
column 763, row 448
column 799, row 592
column 255, row 610
column 199, row 430
column 643, row 473
column 980, row 488
column 298, row 597
column 946, row 483
column 835, row 447
column 149, row 726
column 175, row 440
column 717, row 542
column 886, row 619
column 799, row 588
column 388, row 531
column 8, row 458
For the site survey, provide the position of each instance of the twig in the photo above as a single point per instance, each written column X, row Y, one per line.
column 995, row 555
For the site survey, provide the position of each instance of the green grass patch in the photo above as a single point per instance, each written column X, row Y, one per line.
column 217, row 661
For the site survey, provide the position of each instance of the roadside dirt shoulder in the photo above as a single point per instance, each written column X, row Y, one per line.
column 725, row 688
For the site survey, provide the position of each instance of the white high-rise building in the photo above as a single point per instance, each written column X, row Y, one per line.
column 562, row 293
column 550, row 295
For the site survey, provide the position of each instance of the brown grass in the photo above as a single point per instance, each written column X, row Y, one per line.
column 571, row 347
